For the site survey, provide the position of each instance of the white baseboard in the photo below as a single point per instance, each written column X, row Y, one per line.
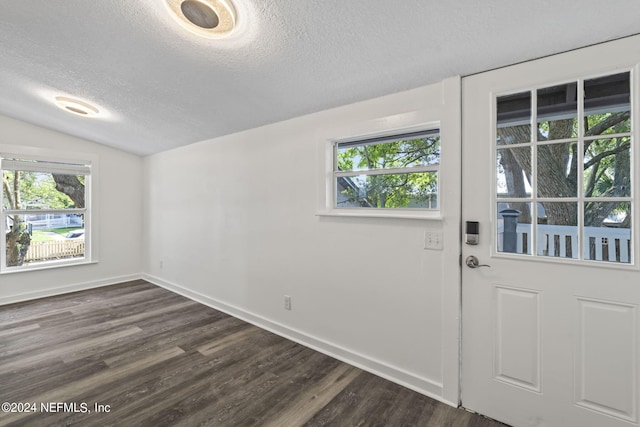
column 67, row 289
column 422, row 385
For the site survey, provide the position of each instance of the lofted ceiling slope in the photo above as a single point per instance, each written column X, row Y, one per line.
column 159, row 87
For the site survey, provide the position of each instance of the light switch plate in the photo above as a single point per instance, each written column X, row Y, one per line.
column 433, row 240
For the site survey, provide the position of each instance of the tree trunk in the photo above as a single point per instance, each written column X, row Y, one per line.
column 17, row 239
column 558, row 170
column 72, row 187
column 515, row 185
column 553, row 181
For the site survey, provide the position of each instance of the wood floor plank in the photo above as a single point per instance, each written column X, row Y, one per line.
column 67, row 348
column 280, row 382
column 25, row 384
column 150, row 343
column 70, row 392
column 18, row 330
column 215, row 389
column 297, row 409
column 154, row 358
column 229, row 340
column 27, row 310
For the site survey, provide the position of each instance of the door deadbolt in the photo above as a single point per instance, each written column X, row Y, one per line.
column 471, row 233
column 472, row 262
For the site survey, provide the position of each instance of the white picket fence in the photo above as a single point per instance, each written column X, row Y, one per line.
column 600, row 243
column 38, row 222
column 55, row 249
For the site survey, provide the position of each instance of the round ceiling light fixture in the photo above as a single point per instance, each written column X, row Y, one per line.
column 76, row 106
column 214, row 19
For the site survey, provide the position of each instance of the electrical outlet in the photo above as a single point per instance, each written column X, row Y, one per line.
column 161, row 264
column 433, row 240
column 287, row 302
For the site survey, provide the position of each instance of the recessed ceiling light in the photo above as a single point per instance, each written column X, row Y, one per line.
column 213, row 19
column 76, row 106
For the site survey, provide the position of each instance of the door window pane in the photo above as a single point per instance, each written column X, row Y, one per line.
column 558, row 112
column 557, row 173
column 607, row 105
column 557, row 230
column 514, row 119
column 514, row 228
column 607, row 167
column 607, row 232
column 514, row 172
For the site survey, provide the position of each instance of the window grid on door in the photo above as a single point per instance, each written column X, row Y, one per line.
column 548, row 221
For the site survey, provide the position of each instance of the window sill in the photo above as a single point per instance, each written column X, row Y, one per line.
column 356, row 213
column 46, row 266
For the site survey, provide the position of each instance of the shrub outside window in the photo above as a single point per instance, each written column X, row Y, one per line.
column 392, row 172
column 45, row 213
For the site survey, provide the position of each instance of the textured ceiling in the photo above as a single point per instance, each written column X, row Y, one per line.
column 161, row 87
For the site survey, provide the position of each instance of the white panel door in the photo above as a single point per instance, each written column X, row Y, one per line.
column 550, row 326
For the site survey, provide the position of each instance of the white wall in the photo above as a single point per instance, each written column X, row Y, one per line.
column 118, row 205
column 232, row 222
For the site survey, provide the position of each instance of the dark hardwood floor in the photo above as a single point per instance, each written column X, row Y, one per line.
column 134, row 354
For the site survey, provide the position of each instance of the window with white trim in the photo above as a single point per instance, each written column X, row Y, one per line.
column 392, row 172
column 46, row 212
column 564, row 178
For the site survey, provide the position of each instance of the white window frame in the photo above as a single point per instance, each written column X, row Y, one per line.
column 406, row 123
column 337, row 173
column 52, row 161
